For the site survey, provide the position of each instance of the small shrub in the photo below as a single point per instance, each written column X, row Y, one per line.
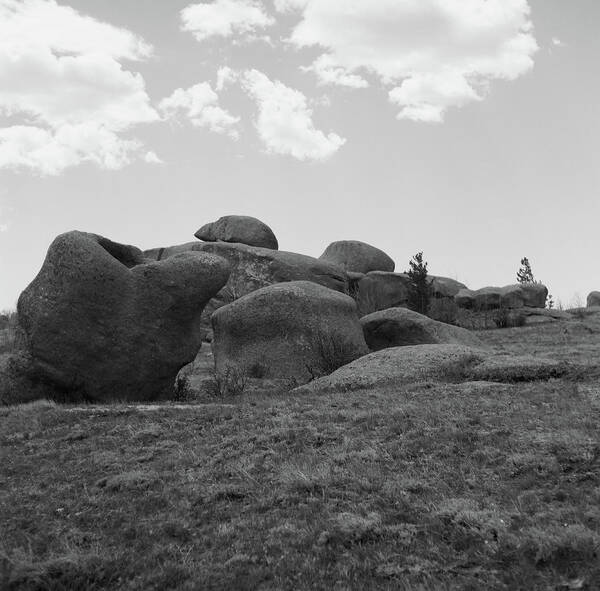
column 505, row 318
column 502, row 318
column 231, row 381
column 333, row 353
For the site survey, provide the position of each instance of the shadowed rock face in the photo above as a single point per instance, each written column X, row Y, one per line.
column 593, row 299
column 240, row 229
column 288, row 330
column 253, row 268
column 101, row 322
column 357, row 257
column 401, row 327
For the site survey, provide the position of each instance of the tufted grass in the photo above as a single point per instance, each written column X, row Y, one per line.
column 437, row 485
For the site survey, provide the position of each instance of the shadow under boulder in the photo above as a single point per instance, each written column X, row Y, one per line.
column 297, row 330
column 102, row 323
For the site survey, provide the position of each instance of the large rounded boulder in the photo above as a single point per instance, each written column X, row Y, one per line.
column 593, row 299
column 239, row 228
column 102, row 323
column 398, row 327
column 296, row 330
column 357, row 257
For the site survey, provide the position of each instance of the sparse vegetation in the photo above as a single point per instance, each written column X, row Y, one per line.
column 448, row 483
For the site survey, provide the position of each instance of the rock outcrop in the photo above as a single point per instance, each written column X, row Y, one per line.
column 402, row 327
column 296, row 330
column 357, row 257
column 253, row 268
column 396, row 366
column 519, row 295
column 593, row 299
column 380, row 290
column 102, row 323
column 390, row 368
column 241, row 229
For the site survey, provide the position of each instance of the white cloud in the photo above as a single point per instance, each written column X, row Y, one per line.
column 284, row 121
column 200, row 104
column 430, row 54
column 225, row 76
column 60, row 75
column 224, row 18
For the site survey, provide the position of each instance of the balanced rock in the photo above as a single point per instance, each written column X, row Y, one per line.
column 401, row 327
column 102, row 323
column 253, row 268
column 239, row 228
column 593, row 299
column 295, row 330
column 358, row 257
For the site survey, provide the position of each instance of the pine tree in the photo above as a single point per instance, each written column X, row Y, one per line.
column 419, row 289
column 525, row 274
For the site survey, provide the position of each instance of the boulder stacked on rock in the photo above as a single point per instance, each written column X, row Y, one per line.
column 239, row 228
column 253, row 268
column 295, row 330
column 520, row 295
column 102, row 323
column 593, row 299
column 357, row 257
column 401, row 327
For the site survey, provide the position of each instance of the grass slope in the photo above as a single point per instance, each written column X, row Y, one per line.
column 434, row 485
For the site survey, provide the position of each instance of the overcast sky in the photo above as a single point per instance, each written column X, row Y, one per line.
column 467, row 129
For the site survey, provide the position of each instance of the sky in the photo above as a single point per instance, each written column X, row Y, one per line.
column 466, row 129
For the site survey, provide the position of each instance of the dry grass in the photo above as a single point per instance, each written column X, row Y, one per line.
column 435, row 485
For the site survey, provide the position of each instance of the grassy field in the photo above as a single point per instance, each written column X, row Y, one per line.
column 433, row 485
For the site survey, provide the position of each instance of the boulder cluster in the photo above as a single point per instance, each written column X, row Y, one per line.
column 104, row 321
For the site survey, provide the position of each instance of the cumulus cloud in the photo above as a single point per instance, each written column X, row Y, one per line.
column 284, row 121
column 200, row 104
column 225, row 18
column 430, row 54
column 61, row 76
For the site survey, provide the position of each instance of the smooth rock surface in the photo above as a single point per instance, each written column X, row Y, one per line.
column 395, row 366
column 294, row 330
column 102, row 323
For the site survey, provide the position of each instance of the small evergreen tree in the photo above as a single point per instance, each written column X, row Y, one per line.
column 419, row 289
column 525, row 274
